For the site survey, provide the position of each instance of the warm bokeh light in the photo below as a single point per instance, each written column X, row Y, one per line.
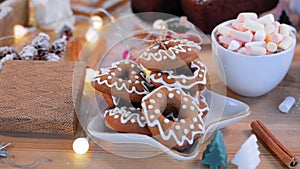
column 91, row 35
column 97, row 22
column 20, row 31
column 81, row 145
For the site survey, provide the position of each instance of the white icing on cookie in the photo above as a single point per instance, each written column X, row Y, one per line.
column 159, row 95
column 157, row 111
column 152, row 117
column 170, row 53
column 199, row 98
column 192, row 108
column 122, row 84
column 150, row 106
column 152, row 101
column 185, row 99
column 181, row 80
column 116, row 100
column 167, row 134
column 172, row 116
column 127, row 115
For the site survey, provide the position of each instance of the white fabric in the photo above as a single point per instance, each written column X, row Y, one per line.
column 53, row 14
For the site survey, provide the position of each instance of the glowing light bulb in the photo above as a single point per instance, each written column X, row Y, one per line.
column 81, row 145
column 20, row 31
column 97, row 22
column 92, row 35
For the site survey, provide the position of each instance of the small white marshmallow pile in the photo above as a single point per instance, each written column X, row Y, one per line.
column 255, row 36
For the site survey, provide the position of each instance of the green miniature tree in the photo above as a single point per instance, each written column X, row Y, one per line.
column 284, row 18
column 215, row 154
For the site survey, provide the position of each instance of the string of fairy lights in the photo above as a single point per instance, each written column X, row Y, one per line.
column 96, row 23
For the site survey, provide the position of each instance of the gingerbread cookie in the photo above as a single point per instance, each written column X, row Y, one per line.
column 185, row 77
column 126, row 119
column 124, row 79
column 183, row 126
column 169, row 54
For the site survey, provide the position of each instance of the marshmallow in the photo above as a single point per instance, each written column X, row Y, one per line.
column 234, row 45
column 270, row 28
column 253, row 25
column 284, row 30
column 238, row 25
column 257, row 43
column 242, row 36
column 246, row 15
column 286, row 105
column 286, row 43
column 276, row 38
column 256, row 50
column 225, row 30
column 269, row 18
column 276, row 24
column 259, row 35
column 255, row 36
column 242, row 50
column 225, row 39
column 271, row 47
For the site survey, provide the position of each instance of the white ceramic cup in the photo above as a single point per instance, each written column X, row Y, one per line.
column 251, row 76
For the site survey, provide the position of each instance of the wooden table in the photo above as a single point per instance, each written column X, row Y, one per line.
column 26, row 147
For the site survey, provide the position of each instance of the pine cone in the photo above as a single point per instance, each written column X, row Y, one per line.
column 52, row 57
column 59, row 47
column 28, row 53
column 41, row 43
column 6, row 50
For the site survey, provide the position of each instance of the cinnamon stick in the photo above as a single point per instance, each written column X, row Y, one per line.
column 274, row 144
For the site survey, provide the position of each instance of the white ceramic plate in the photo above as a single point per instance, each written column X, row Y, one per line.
column 223, row 112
